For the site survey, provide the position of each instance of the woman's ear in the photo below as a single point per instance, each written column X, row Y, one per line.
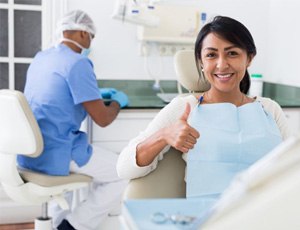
column 201, row 65
column 250, row 58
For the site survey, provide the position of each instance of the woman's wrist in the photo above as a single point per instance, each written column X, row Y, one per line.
column 149, row 149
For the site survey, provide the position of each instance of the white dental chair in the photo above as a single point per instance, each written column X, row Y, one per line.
column 20, row 134
column 167, row 180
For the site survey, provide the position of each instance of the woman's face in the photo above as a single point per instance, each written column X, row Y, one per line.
column 224, row 64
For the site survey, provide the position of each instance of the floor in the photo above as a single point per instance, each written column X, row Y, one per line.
column 112, row 223
column 17, row 226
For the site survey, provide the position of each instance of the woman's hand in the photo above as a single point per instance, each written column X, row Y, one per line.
column 181, row 135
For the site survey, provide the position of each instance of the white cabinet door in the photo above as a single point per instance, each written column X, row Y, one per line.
column 128, row 125
column 293, row 117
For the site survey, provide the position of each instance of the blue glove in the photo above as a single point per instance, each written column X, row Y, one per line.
column 107, row 92
column 121, row 98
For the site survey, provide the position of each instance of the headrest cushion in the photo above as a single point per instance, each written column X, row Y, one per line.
column 187, row 73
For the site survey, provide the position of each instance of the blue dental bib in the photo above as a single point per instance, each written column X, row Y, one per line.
column 231, row 139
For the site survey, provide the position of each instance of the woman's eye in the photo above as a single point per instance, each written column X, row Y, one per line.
column 232, row 53
column 210, row 55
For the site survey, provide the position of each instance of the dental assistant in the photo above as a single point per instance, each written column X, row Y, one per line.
column 220, row 133
column 61, row 88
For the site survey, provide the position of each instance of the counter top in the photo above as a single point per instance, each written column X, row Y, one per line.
column 142, row 95
column 286, row 96
column 140, row 92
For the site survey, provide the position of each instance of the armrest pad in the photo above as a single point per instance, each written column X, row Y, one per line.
column 166, row 181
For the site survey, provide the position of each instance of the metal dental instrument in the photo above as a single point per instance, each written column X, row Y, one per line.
column 161, row 218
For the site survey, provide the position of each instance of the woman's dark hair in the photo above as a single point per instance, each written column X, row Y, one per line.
column 232, row 31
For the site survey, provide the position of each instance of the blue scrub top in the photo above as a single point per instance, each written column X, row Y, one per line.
column 58, row 81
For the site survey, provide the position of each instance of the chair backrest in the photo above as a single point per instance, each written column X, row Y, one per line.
column 187, row 73
column 19, row 134
column 166, row 181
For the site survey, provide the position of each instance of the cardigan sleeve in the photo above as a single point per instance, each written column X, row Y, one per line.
column 275, row 110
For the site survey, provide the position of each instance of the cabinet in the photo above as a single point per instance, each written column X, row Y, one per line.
column 128, row 125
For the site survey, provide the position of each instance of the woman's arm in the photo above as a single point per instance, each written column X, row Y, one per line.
column 168, row 128
column 179, row 135
column 274, row 108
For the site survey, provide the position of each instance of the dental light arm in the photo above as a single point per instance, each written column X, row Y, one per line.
column 136, row 12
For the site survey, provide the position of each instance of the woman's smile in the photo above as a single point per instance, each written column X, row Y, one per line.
column 224, row 77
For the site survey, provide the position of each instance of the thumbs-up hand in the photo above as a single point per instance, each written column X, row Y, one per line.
column 186, row 113
column 181, row 135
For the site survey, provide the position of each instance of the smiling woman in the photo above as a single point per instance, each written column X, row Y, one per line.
column 222, row 131
column 224, row 53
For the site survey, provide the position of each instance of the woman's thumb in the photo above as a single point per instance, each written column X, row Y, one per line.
column 186, row 112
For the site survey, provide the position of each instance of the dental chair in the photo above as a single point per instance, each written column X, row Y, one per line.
column 167, row 180
column 20, row 134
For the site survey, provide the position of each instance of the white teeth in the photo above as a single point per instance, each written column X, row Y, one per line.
column 223, row 75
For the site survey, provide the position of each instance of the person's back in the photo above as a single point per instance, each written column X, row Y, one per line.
column 51, row 90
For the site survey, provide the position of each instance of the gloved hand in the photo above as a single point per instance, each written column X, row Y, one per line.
column 107, row 92
column 121, row 98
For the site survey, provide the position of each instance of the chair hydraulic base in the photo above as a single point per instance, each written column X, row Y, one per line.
column 43, row 224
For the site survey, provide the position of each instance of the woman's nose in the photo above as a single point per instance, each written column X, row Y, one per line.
column 222, row 63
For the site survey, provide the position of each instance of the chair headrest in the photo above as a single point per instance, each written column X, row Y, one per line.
column 187, row 72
